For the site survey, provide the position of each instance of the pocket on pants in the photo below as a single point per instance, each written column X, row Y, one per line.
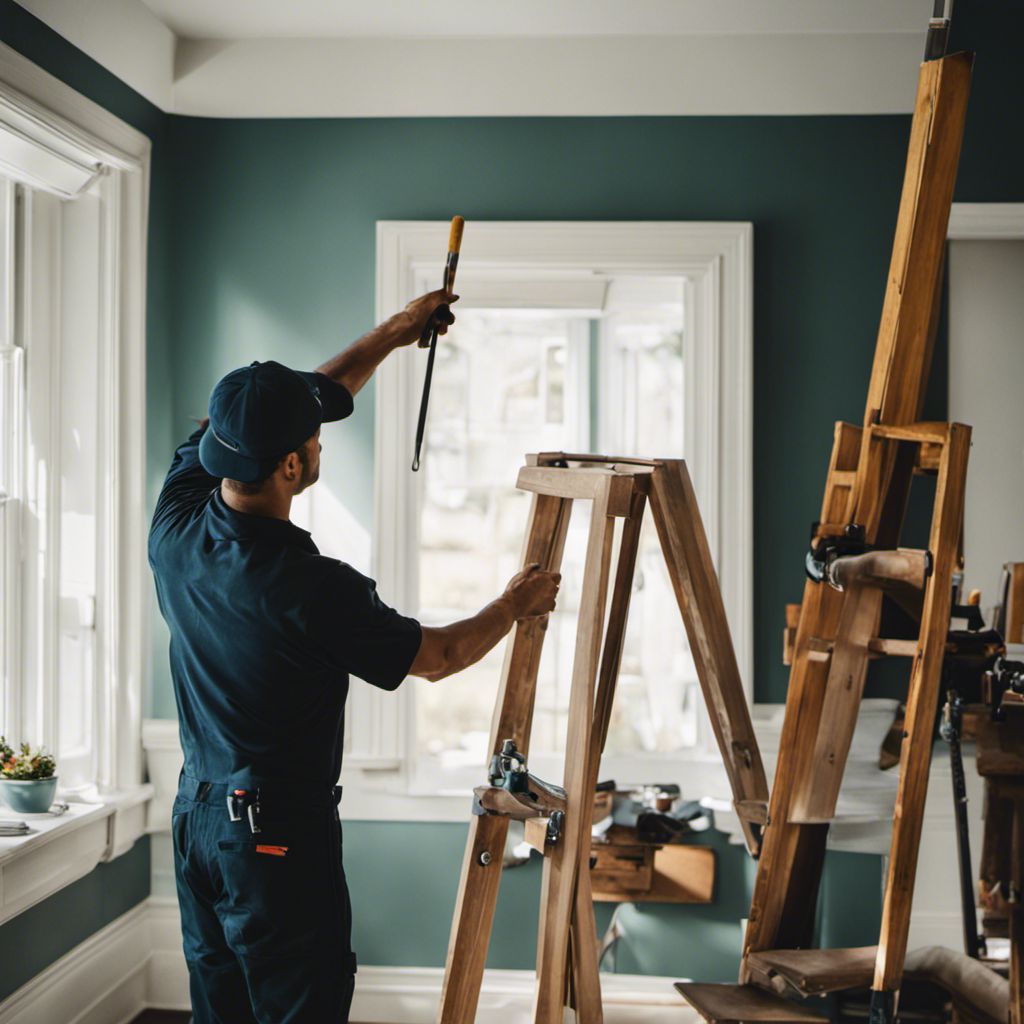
column 282, row 896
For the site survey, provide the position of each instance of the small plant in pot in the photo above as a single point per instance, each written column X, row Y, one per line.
column 27, row 780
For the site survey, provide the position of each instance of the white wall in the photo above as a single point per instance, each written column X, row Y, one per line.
column 986, row 390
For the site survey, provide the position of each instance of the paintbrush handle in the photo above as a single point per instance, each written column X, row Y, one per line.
column 429, row 335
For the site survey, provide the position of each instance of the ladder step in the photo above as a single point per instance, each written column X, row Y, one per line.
column 923, row 433
column 735, row 1004
column 814, row 971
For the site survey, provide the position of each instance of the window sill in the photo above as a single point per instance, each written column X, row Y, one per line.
column 60, row 850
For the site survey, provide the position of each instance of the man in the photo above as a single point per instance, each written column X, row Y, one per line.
column 264, row 633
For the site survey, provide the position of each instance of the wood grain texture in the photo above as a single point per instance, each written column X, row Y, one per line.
column 558, row 885
column 580, row 483
column 900, row 370
column 815, row 792
column 743, row 1004
column 1015, row 603
column 813, row 971
column 695, row 582
column 786, row 886
column 922, row 700
column 478, row 883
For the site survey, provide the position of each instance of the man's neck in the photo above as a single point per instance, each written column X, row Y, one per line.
column 272, row 503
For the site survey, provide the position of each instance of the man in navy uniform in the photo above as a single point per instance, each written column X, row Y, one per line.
column 264, row 634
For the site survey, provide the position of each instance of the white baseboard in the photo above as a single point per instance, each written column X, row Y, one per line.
column 136, row 962
column 101, row 981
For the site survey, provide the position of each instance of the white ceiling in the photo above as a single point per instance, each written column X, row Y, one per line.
column 306, row 19
column 494, row 58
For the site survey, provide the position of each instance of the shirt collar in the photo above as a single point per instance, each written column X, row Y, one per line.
column 228, row 524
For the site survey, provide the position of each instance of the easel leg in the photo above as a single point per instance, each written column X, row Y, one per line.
column 558, row 889
column 481, row 865
column 583, row 962
column 586, row 981
column 922, row 699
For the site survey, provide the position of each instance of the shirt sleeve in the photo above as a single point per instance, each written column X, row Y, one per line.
column 187, row 483
column 361, row 634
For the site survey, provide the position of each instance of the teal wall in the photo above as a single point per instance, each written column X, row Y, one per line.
column 273, row 250
column 262, row 245
column 34, row 939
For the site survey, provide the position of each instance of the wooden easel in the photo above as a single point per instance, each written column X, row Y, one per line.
column 567, row 941
column 867, row 484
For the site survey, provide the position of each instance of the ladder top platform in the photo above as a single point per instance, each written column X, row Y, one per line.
column 734, row 1004
column 813, row 971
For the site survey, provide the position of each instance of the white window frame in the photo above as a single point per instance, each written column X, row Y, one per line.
column 57, row 141
column 715, row 260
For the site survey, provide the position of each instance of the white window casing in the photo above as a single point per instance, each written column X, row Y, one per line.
column 501, row 260
column 75, row 179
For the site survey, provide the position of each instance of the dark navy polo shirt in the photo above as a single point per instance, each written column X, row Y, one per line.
column 264, row 634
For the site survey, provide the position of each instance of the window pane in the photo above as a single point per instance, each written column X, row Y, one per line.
column 79, row 500
column 511, row 383
column 657, row 699
column 500, row 390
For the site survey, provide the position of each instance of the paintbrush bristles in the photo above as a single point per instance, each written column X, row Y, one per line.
column 455, row 238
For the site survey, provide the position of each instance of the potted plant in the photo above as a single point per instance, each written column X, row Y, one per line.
column 27, row 781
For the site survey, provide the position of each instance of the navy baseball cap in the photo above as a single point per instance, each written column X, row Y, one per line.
column 263, row 412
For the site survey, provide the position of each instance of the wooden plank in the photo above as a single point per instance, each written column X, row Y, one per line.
column 928, row 432
column 1015, row 603
column 789, row 633
column 813, row 971
column 584, row 458
column 615, row 633
column 579, row 483
column 478, row 882
column 900, row 371
column 679, row 874
column 922, row 700
column 1000, row 747
column 558, row 885
column 586, row 982
column 737, row 1004
column 695, row 583
column 786, row 884
column 815, row 792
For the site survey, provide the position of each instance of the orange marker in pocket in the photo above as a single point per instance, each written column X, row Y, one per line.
column 277, row 851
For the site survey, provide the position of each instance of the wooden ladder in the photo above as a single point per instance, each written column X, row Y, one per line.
column 618, row 489
column 866, row 492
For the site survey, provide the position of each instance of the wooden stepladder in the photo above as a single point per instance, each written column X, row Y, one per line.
column 619, row 489
column 856, row 554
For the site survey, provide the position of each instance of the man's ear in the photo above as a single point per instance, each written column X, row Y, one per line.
column 291, row 466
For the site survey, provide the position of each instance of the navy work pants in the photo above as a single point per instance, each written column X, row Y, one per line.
column 265, row 917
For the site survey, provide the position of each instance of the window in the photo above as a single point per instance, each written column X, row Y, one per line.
column 569, row 335
column 72, row 392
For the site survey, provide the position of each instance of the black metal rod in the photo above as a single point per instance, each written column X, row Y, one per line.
column 973, row 943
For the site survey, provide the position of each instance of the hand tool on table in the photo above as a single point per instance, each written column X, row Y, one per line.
column 429, row 337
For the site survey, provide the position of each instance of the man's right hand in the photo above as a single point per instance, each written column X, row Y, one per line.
column 533, row 591
column 432, row 308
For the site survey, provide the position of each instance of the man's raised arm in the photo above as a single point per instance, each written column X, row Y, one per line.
column 355, row 365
